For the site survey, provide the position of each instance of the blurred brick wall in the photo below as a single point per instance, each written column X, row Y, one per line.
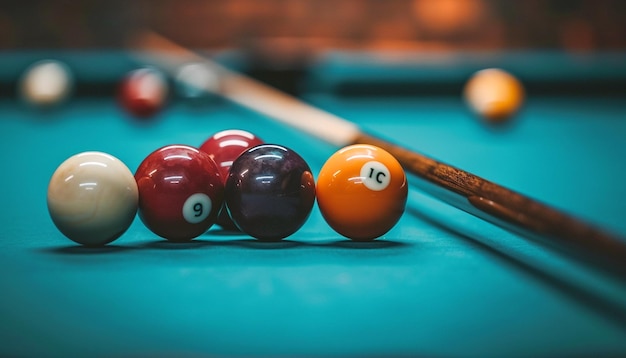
column 287, row 26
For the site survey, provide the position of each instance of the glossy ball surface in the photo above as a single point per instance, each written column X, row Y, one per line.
column 92, row 198
column 224, row 147
column 494, row 94
column 180, row 192
column 143, row 92
column 362, row 192
column 270, row 192
column 46, row 83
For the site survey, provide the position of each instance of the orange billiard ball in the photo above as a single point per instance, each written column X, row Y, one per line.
column 494, row 94
column 362, row 192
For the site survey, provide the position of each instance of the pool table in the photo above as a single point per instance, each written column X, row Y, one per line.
column 440, row 283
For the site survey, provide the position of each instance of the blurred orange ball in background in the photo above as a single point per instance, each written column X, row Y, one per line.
column 494, row 94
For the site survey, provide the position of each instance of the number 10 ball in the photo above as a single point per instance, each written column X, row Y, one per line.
column 180, row 192
column 362, row 192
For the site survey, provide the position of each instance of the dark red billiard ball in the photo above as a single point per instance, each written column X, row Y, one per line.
column 269, row 192
column 180, row 192
column 224, row 147
column 143, row 92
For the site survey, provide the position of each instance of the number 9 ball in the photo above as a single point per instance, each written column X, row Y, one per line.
column 180, row 192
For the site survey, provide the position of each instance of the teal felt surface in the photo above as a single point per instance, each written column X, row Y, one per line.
column 441, row 283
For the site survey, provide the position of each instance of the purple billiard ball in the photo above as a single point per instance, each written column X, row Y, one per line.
column 269, row 192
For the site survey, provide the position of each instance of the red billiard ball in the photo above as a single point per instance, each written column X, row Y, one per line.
column 143, row 92
column 180, row 192
column 362, row 192
column 224, row 147
column 270, row 192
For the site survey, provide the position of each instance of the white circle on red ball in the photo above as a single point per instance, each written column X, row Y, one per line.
column 196, row 208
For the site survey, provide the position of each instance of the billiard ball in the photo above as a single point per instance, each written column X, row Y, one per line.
column 180, row 192
column 46, row 83
column 224, row 147
column 362, row 192
column 92, row 198
column 494, row 94
column 143, row 92
column 270, row 192
column 197, row 82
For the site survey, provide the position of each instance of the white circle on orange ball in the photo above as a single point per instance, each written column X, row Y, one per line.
column 375, row 175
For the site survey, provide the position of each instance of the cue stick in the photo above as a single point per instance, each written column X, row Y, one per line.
column 468, row 192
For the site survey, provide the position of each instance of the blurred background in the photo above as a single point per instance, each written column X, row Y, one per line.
column 312, row 25
column 282, row 36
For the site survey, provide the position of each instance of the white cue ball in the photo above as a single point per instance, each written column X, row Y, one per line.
column 196, row 80
column 46, row 83
column 92, row 198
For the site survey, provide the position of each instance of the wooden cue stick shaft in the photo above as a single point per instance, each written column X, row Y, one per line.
column 504, row 207
column 459, row 188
